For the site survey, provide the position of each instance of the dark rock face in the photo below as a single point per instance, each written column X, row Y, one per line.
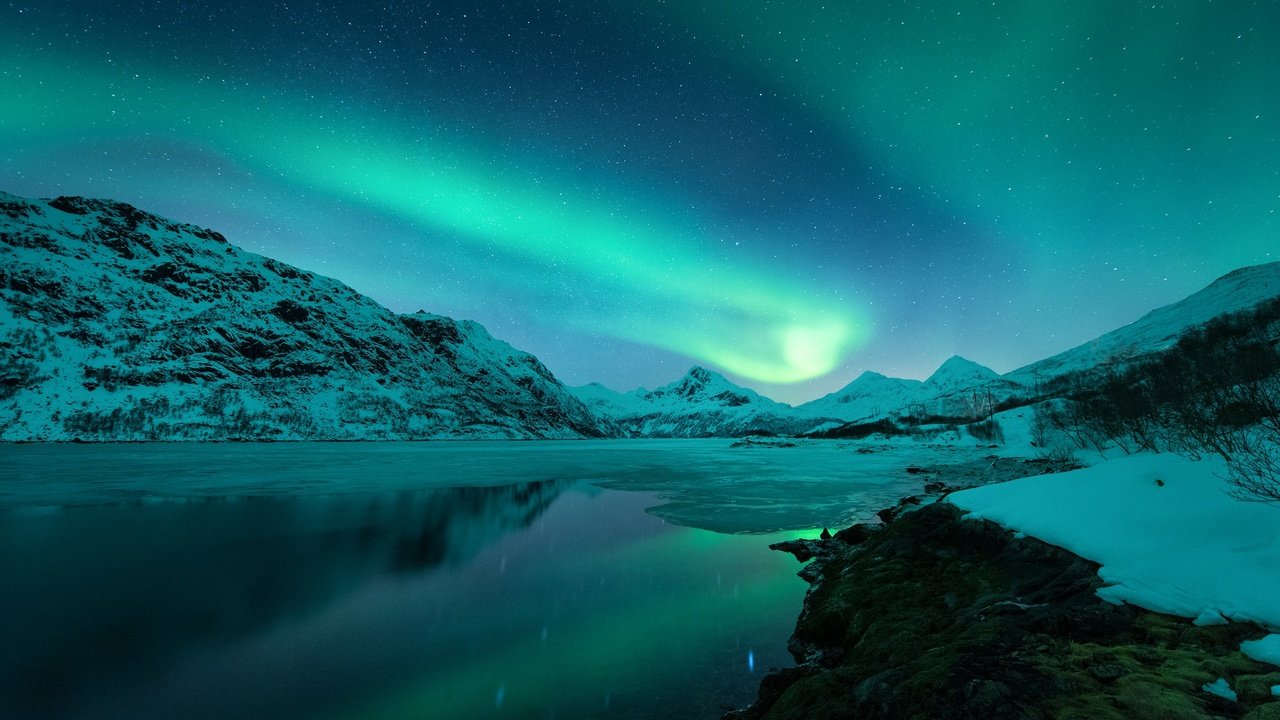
column 934, row 616
column 116, row 324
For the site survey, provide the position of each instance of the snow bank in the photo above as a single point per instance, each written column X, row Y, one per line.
column 1167, row 534
column 1266, row 649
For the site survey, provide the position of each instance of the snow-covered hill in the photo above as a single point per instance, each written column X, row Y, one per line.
column 116, row 324
column 700, row 404
column 870, row 395
column 1159, row 329
column 950, row 390
column 957, row 374
column 961, row 387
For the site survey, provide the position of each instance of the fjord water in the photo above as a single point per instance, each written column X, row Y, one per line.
column 626, row 579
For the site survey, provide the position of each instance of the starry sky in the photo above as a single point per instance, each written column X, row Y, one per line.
column 787, row 192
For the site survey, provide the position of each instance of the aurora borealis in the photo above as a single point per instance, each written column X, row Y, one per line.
column 787, row 192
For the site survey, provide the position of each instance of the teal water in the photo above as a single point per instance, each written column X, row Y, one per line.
column 624, row 579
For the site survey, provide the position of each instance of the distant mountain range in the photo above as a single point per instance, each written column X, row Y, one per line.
column 116, row 324
column 959, row 388
column 872, row 395
column 700, row 404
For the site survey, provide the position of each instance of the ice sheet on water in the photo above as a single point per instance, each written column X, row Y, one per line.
column 767, row 489
column 702, row 483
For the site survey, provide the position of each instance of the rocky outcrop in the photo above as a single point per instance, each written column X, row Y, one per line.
column 935, row 616
column 116, row 324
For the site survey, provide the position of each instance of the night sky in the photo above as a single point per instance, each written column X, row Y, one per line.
column 788, row 192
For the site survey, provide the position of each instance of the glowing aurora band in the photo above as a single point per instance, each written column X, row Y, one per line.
column 679, row 296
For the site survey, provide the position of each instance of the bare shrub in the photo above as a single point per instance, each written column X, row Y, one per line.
column 988, row 431
column 1253, row 465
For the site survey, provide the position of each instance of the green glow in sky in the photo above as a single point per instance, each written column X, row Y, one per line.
column 1084, row 133
column 623, row 188
column 667, row 279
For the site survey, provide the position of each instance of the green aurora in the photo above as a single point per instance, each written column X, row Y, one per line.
column 789, row 192
column 634, row 251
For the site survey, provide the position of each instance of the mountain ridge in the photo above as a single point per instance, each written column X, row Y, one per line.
column 700, row 403
column 118, row 324
column 959, row 385
column 1239, row 289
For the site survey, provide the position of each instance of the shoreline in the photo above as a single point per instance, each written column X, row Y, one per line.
column 935, row 615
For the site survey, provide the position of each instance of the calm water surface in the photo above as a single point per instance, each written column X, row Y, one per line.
column 625, row 579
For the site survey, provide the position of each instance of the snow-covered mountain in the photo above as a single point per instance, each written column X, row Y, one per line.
column 961, row 387
column 956, row 375
column 950, row 390
column 1159, row 329
column 870, row 395
column 700, row 404
column 116, row 324
column 959, row 384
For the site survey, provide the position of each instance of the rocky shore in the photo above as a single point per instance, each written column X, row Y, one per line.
column 935, row 616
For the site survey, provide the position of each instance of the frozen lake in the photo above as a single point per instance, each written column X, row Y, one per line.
column 609, row 579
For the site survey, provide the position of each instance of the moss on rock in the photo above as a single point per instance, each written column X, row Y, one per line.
column 940, row 617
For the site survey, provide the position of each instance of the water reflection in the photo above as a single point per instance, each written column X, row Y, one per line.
column 96, row 597
column 406, row 580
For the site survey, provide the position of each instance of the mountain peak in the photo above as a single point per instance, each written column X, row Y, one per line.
column 957, row 368
column 870, row 375
column 699, row 379
column 701, row 374
column 700, row 403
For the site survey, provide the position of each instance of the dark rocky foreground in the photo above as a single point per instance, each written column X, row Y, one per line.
column 934, row 616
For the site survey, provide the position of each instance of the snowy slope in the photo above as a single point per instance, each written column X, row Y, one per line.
column 870, row 395
column 604, row 402
column 116, row 324
column 963, row 387
column 1159, row 329
column 1166, row 530
column 700, row 404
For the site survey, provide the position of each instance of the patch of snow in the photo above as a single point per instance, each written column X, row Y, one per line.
column 1266, row 649
column 1209, row 617
column 1185, row 547
column 1221, row 688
